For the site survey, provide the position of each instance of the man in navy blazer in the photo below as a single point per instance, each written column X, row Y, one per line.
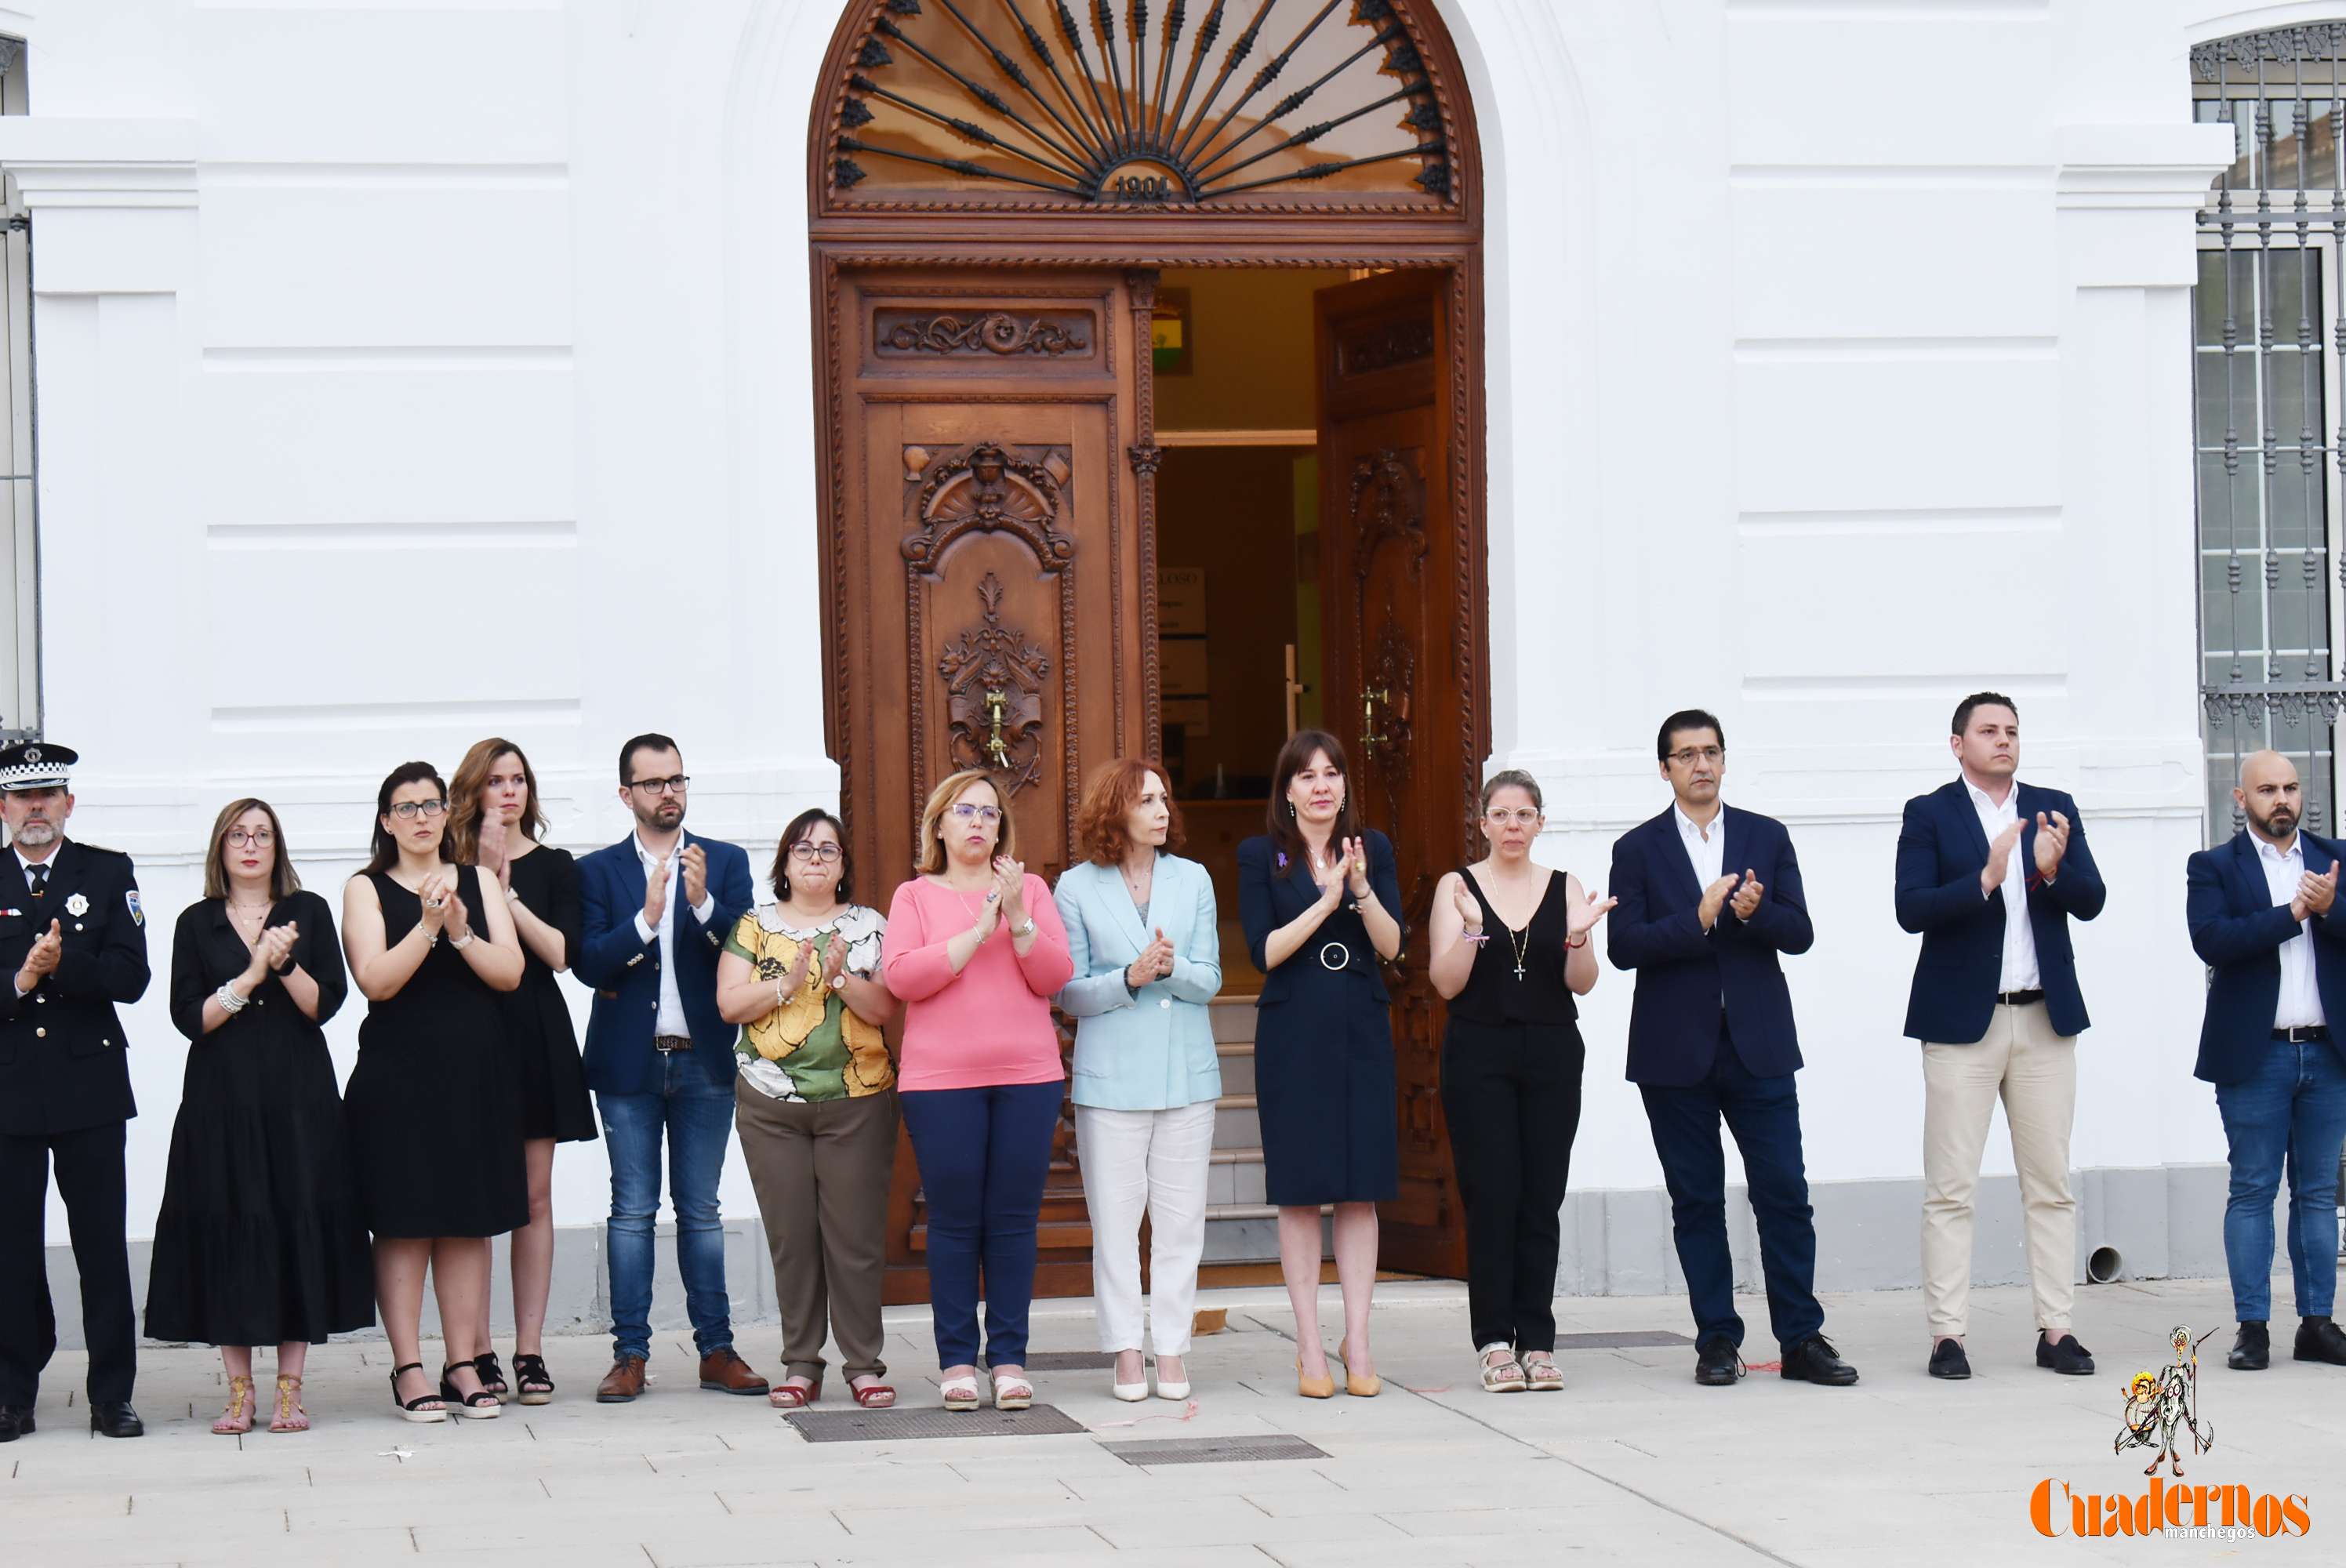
column 656, row 908
column 1707, row 896
column 2263, row 913
column 1991, row 871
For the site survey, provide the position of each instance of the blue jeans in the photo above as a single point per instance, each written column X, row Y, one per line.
column 2291, row 1113
column 983, row 1153
column 697, row 1117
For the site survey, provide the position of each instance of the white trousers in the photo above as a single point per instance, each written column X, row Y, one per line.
column 1154, row 1161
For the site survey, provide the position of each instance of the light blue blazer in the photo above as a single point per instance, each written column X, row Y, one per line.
column 1152, row 1051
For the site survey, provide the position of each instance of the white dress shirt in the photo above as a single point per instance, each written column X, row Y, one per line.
column 2301, row 998
column 2020, row 972
column 26, row 866
column 1707, row 848
column 672, row 1019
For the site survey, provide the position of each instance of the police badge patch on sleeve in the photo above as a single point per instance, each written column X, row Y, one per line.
column 137, row 915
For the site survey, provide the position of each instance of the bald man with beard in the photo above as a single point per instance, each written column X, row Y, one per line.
column 2263, row 914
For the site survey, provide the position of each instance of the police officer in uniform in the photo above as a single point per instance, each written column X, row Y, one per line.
column 72, row 942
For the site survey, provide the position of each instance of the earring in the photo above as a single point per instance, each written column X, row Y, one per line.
column 1290, row 808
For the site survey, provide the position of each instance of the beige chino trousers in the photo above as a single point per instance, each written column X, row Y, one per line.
column 2036, row 1072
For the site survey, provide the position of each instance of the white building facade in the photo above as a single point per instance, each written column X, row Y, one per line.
column 408, row 374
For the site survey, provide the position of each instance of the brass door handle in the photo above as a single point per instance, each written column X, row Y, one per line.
column 1369, row 738
column 998, row 748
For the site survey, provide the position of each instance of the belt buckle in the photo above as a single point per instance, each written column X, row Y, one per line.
column 1343, row 956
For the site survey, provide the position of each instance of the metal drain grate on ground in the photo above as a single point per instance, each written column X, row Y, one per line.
column 1211, row 1450
column 1625, row 1339
column 1070, row 1362
column 897, row 1425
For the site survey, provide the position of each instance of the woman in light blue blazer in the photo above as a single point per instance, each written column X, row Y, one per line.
column 1141, row 927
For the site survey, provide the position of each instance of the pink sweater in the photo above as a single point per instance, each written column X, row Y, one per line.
column 991, row 1023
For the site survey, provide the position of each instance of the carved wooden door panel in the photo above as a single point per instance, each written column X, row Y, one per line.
column 987, row 601
column 1396, row 603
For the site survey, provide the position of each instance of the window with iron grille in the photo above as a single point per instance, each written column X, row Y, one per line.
column 2268, row 325
column 20, row 666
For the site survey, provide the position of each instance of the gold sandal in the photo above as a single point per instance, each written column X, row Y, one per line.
column 237, row 1419
column 1541, row 1372
column 289, row 1417
column 1502, row 1373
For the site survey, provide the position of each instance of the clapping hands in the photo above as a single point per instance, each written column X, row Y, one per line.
column 275, row 946
column 1155, row 962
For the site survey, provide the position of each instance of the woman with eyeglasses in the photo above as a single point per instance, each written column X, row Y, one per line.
column 1510, row 951
column 433, row 1118
column 815, row 1103
column 976, row 949
column 494, row 822
column 258, row 1240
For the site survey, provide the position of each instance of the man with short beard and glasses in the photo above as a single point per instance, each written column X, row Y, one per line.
column 74, row 936
column 656, row 907
column 2261, row 909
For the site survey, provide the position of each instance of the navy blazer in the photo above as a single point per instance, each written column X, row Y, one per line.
column 1269, row 897
column 1941, row 852
column 2239, row 930
column 623, row 969
column 1688, row 978
column 64, row 1064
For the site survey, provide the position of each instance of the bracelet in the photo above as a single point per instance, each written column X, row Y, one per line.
column 230, row 1003
column 461, row 942
column 1571, row 946
column 513, row 895
column 1476, row 937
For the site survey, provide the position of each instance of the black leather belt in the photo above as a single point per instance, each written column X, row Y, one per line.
column 2303, row 1032
column 2018, row 998
column 670, row 1045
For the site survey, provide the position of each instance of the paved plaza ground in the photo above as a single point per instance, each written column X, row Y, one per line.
column 1632, row 1464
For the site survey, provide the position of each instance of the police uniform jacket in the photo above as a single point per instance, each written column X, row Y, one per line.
column 61, row 1061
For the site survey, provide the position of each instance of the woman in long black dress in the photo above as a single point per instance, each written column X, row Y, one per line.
column 258, row 1241
column 494, row 822
column 1320, row 901
column 434, row 1126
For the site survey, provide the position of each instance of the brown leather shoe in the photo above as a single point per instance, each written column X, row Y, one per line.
column 623, row 1382
column 730, row 1374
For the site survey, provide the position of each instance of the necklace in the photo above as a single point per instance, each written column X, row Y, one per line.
column 1138, row 886
column 1522, row 946
column 977, row 912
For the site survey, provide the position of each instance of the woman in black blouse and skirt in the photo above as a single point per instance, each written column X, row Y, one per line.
column 495, row 823
column 258, row 1241
column 1510, row 951
column 1320, row 901
column 434, row 1126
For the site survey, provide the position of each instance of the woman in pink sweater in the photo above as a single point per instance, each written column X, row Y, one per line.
column 975, row 950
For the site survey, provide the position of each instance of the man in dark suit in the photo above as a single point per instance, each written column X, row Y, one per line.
column 1707, row 896
column 74, row 935
column 1991, row 871
column 2263, row 914
column 656, row 908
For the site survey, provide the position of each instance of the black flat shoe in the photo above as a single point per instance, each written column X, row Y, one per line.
column 15, row 1423
column 1948, row 1360
column 2251, row 1349
column 1814, row 1361
column 2064, row 1356
column 1716, row 1363
column 2320, row 1340
column 116, row 1419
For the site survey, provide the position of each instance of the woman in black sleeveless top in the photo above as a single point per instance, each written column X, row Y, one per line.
column 1511, row 950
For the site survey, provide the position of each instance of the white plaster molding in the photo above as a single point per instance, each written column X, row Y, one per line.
column 100, row 163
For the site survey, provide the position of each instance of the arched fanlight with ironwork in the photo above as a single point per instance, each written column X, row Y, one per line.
column 1120, row 104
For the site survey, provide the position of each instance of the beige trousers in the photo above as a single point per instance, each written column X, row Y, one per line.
column 821, row 1169
column 2035, row 1072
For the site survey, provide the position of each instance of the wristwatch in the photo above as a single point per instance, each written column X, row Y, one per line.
column 461, row 942
column 1024, row 928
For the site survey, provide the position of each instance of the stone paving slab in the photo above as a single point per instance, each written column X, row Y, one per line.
column 1632, row 1464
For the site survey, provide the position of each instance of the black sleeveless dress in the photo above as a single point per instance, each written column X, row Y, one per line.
column 538, row 1031
column 258, row 1240
column 434, row 1117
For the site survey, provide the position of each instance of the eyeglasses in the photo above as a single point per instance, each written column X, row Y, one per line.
column 673, row 785
column 1522, row 817
column 809, row 852
column 1686, row 756
column 969, row 813
column 260, row 837
column 406, row 810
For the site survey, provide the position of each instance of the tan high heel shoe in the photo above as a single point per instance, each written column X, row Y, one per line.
column 1323, row 1387
column 1367, row 1387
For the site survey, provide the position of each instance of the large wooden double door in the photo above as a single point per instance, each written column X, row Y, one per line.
column 991, row 602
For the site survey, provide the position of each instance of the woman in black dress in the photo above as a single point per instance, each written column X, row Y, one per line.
column 258, row 1241
column 435, row 1129
column 1320, row 901
column 1510, row 951
column 494, row 822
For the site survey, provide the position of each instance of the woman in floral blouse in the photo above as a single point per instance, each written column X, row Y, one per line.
column 816, row 1105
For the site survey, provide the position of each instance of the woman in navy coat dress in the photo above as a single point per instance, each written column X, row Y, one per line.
column 1320, row 901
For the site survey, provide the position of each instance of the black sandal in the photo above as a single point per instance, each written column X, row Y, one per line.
column 413, row 1410
column 493, row 1376
column 479, row 1405
column 536, row 1388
